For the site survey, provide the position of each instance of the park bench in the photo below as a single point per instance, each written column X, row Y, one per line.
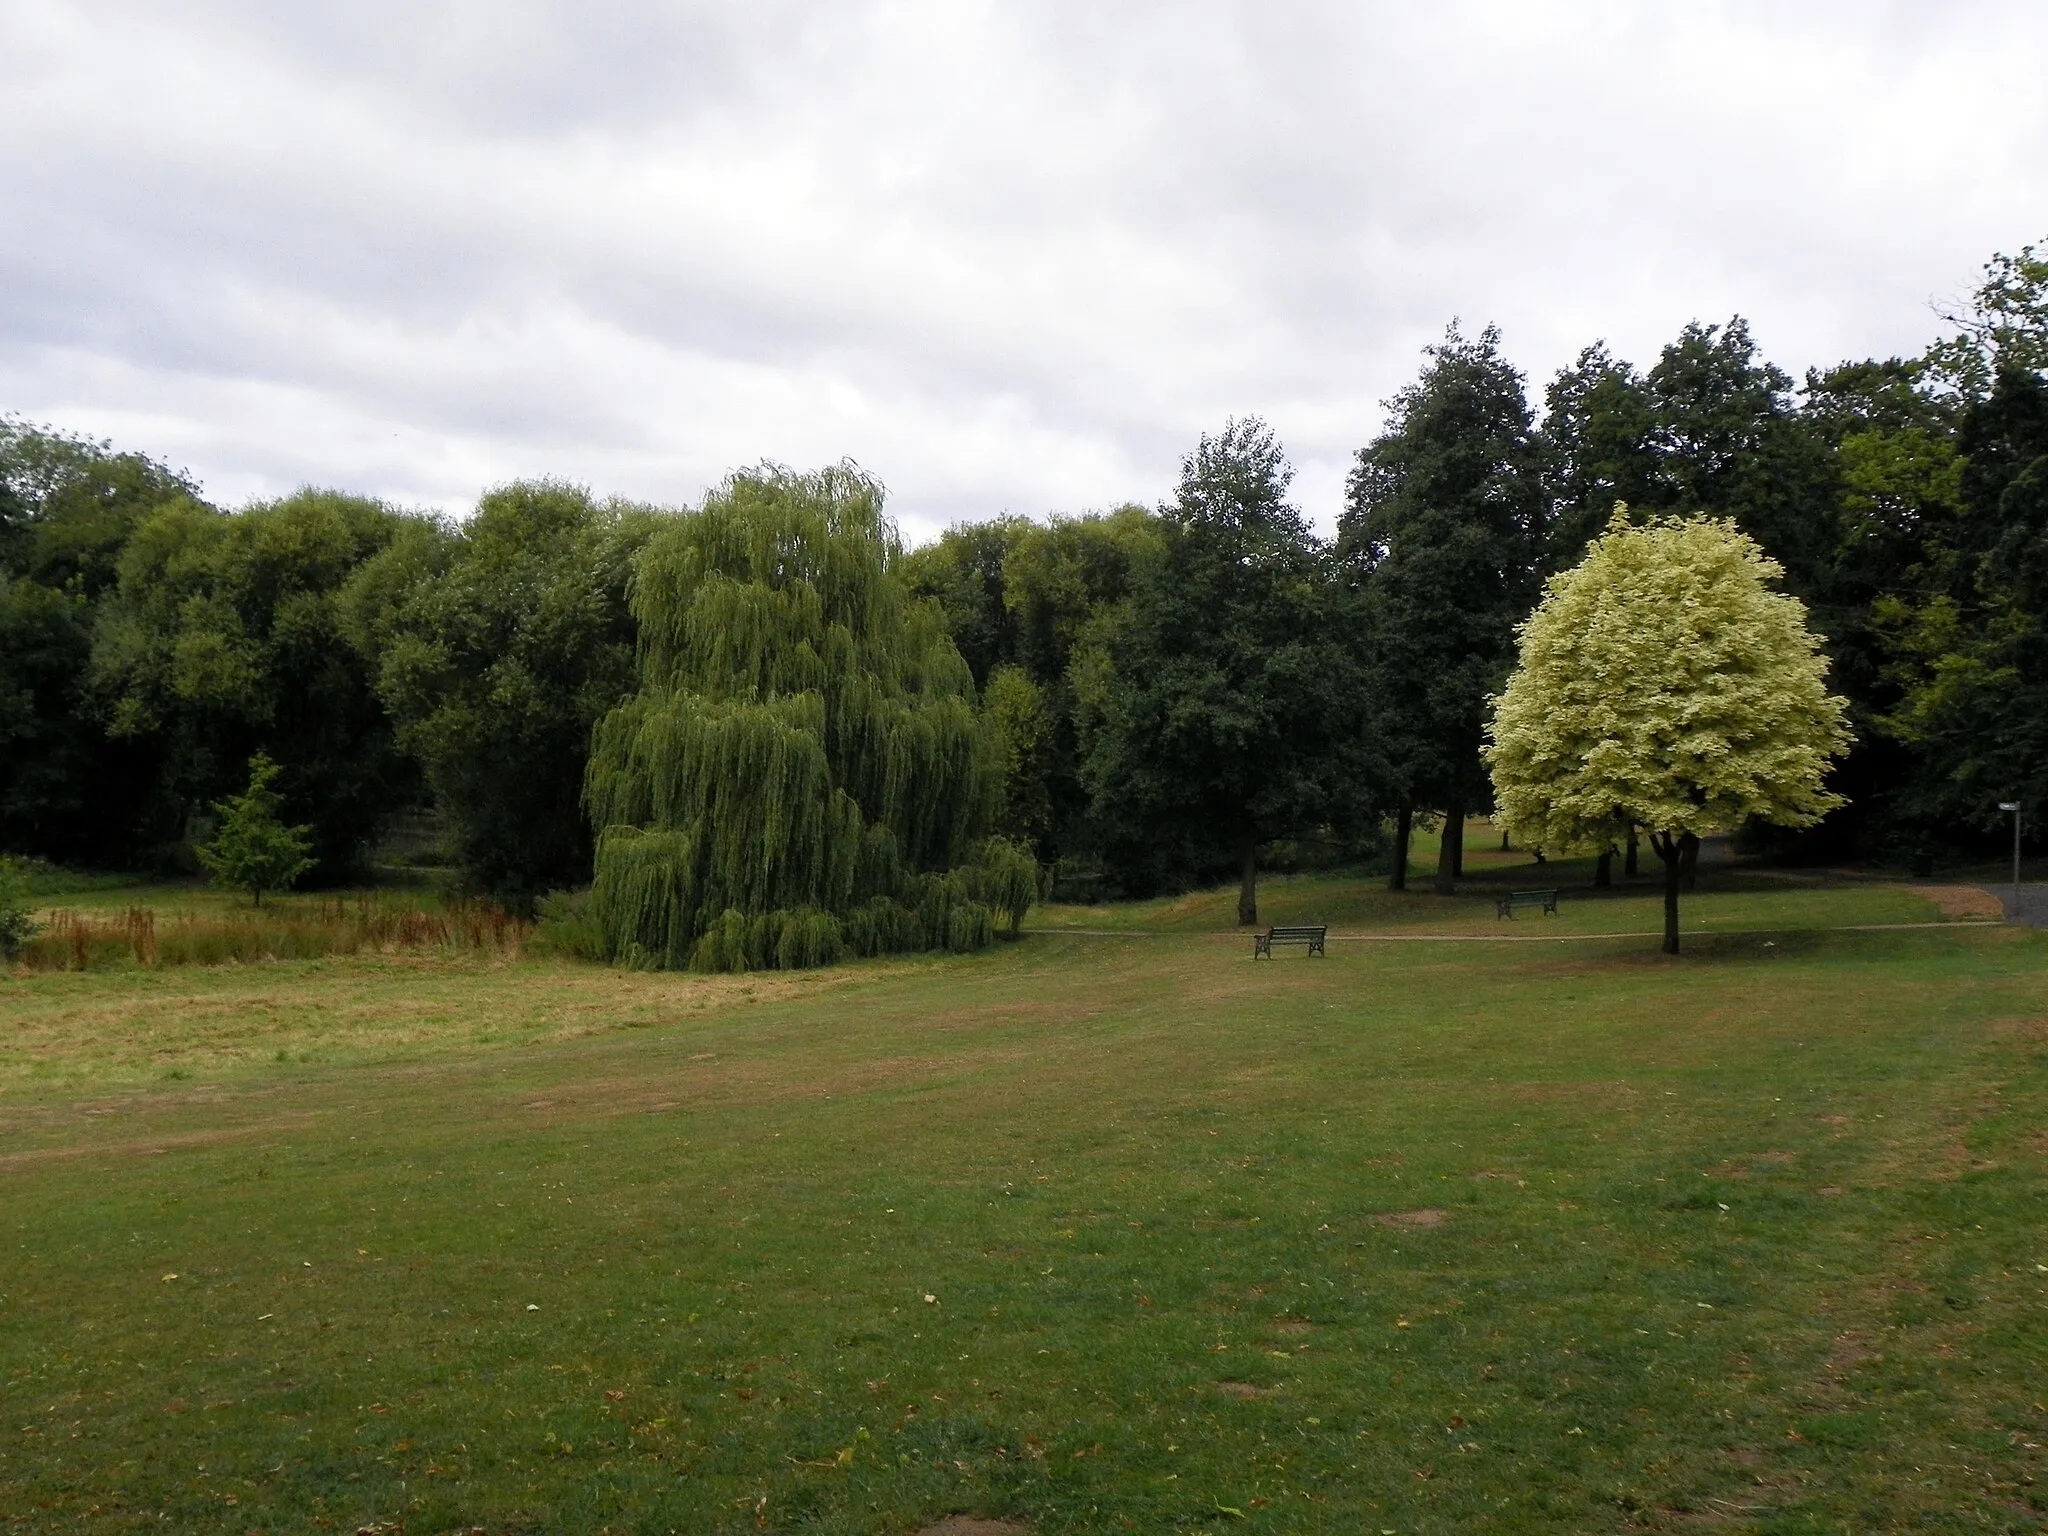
column 1262, row 943
column 1515, row 901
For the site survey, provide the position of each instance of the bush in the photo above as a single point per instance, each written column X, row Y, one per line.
column 565, row 927
column 17, row 919
column 970, row 926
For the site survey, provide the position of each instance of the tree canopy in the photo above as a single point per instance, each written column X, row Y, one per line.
column 1212, row 721
column 68, row 509
column 1139, row 700
column 496, row 645
column 802, row 770
column 1661, row 683
column 223, row 636
column 1446, row 524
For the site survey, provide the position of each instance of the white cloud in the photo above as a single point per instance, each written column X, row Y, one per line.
column 1007, row 256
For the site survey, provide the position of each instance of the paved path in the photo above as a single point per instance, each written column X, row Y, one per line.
column 2033, row 909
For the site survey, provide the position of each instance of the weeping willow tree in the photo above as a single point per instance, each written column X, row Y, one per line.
column 802, row 774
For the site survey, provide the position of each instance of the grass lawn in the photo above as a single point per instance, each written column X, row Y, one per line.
column 1102, row 1231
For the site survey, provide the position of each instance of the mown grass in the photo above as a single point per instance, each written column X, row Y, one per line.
column 1733, row 899
column 1424, row 1237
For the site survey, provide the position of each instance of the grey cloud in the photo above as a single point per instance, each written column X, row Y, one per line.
column 1009, row 256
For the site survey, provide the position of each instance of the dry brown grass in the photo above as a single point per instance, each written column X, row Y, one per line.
column 1961, row 901
column 142, row 937
column 113, row 1027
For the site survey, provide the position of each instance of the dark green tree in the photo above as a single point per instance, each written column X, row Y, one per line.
column 1972, row 668
column 1596, row 449
column 1213, row 720
column 1059, row 585
column 224, row 636
column 1931, row 616
column 1446, row 528
column 964, row 573
column 67, row 506
column 1729, row 443
column 254, row 850
column 496, row 645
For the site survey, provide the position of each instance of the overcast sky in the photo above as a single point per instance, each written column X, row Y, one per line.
column 1008, row 256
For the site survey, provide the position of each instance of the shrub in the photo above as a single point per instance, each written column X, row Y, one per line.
column 17, row 920
column 565, row 926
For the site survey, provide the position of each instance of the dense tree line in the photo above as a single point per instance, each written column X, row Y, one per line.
column 1166, row 694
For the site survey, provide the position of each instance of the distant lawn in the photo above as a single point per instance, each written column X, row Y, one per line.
column 1421, row 1237
column 1738, row 897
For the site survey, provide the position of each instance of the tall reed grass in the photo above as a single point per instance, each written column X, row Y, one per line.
column 140, row 937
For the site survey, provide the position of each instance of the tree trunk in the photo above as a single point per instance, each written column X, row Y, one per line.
column 1248, row 886
column 1449, row 851
column 1504, row 848
column 1667, row 847
column 1689, row 861
column 1628, row 867
column 1404, row 826
column 1603, row 869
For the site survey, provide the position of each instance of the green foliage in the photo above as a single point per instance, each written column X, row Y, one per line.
column 1970, row 663
column 1446, row 528
column 225, row 636
column 1597, row 444
column 1031, row 605
column 563, row 925
column 17, row 916
column 67, row 508
column 254, row 850
column 1020, row 714
column 966, row 574
column 1005, row 879
column 803, row 745
column 1212, row 721
column 496, row 646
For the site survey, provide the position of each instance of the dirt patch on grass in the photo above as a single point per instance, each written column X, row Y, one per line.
column 157, row 1146
column 1960, row 901
column 971, row 1525
column 2033, row 1031
column 1242, row 1389
column 1428, row 1216
column 1292, row 1325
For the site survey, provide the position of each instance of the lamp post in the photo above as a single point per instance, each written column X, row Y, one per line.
column 2014, row 807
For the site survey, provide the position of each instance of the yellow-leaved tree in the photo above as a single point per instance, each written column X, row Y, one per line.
column 1663, row 684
